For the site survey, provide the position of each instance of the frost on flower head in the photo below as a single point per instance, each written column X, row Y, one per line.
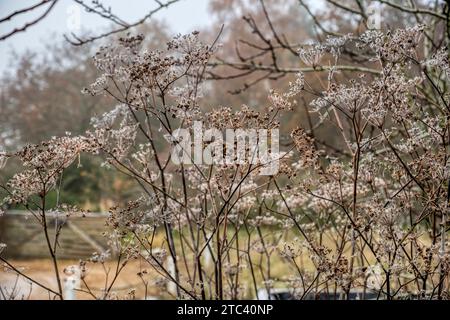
column 43, row 164
column 108, row 119
column 305, row 147
column 296, row 86
column 311, row 56
column 374, row 181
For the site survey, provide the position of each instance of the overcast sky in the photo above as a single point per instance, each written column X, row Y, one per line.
column 182, row 17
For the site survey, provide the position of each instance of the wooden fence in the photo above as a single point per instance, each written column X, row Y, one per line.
column 78, row 239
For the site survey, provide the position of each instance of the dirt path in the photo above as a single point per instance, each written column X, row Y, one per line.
column 42, row 271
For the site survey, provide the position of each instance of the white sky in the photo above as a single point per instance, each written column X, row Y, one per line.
column 182, row 17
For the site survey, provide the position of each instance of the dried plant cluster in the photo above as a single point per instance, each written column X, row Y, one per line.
column 372, row 218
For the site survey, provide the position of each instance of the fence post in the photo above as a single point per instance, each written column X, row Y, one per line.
column 71, row 282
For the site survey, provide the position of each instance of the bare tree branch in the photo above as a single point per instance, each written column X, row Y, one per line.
column 29, row 24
